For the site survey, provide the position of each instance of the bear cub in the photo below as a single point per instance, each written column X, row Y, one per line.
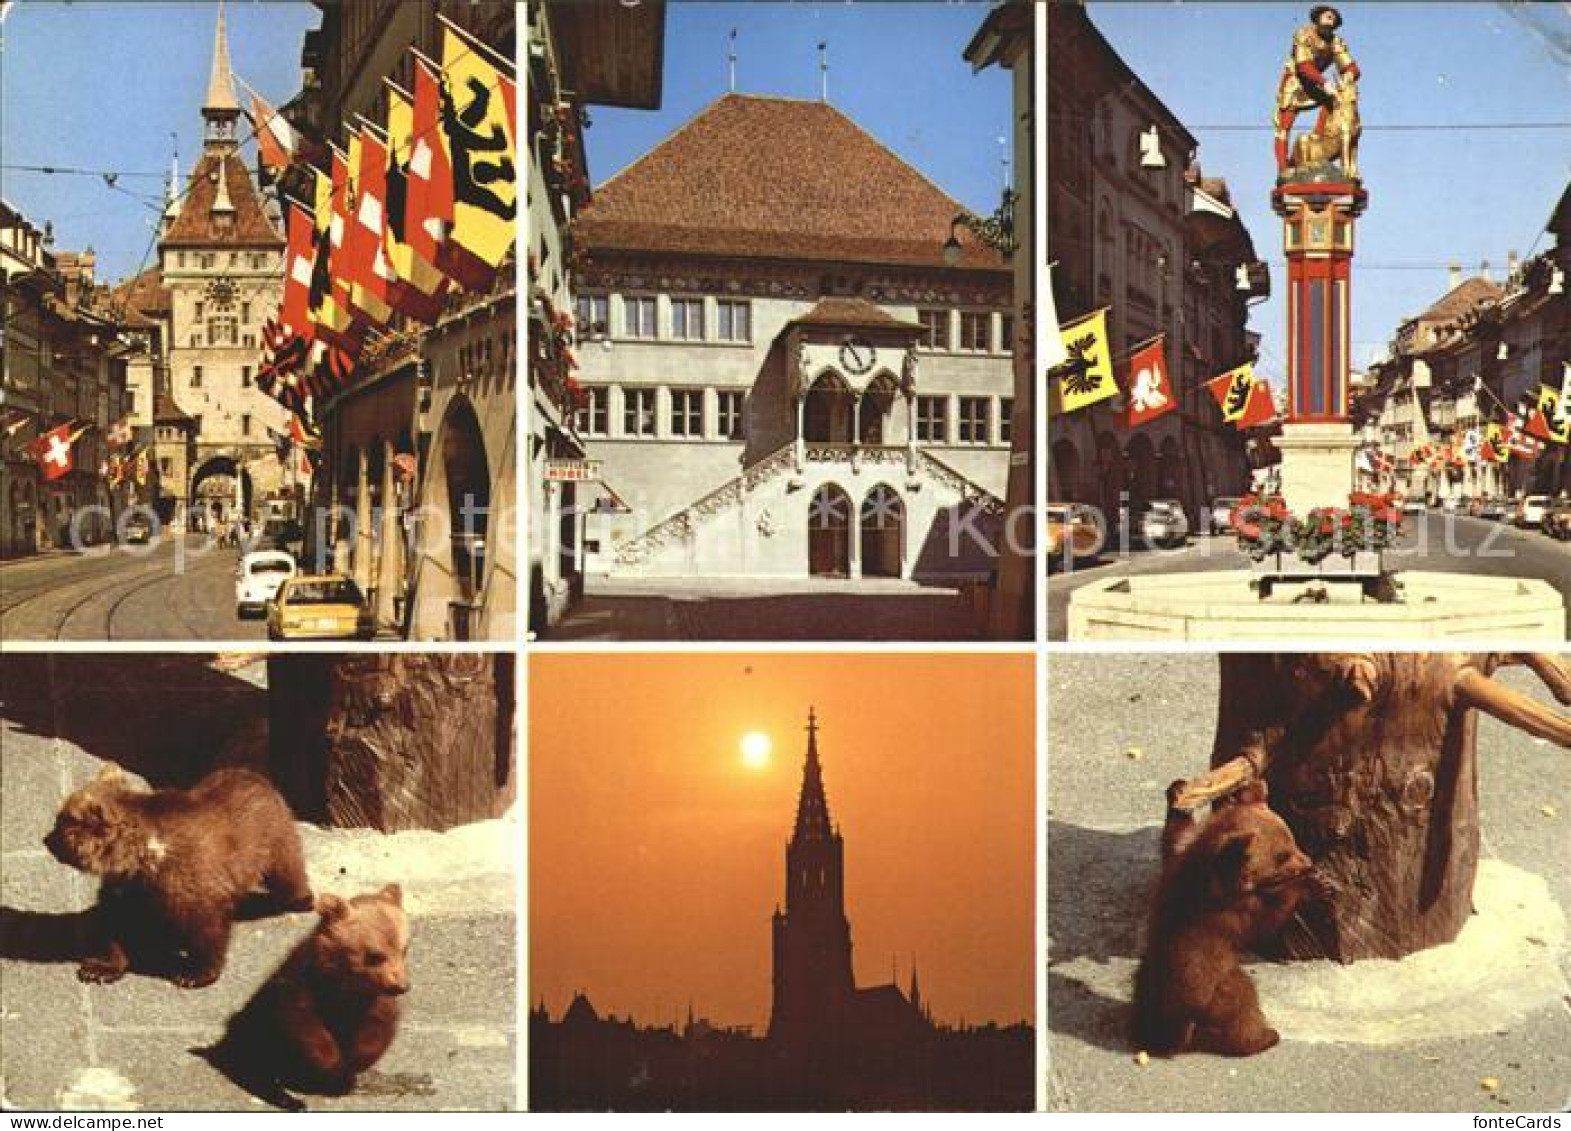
column 1226, row 884
column 331, row 1010
column 176, row 866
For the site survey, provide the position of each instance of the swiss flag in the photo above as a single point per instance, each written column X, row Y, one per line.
column 52, row 450
column 428, row 204
column 1148, row 393
column 276, row 140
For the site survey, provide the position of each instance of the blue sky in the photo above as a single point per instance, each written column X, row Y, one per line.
column 894, row 69
column 1435, row 195
column 102, row 86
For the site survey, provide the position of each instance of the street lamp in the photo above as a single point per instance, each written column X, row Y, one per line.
column 996, row 231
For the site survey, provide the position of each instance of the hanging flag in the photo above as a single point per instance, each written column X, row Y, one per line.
column 1472, row 442
column 1087, row 376
column 299, row 261
column 417, row 288
column 302, row 432
column 119, row 433
column 328, row 300
column 52, row 451
column 428, row 209
column 141, row 468
column 1149, row 391
column 479, row 117
column 281, row 445
column 365, row 210
column 14, row 420
column 276, row 139
column 1550, row 418
column 1245, row 401
column 1053, row 341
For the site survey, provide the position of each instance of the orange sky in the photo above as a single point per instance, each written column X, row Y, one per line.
column 657, row 858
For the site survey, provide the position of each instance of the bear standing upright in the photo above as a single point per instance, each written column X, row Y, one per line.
column 331, row 1010
column 1231, row 882
column 176, row 866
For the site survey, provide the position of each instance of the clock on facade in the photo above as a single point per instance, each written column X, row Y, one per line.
column 856, row 354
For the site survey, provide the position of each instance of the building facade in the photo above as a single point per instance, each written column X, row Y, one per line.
column 221, row 264
column 414, row 495
column 1135, row 227
column 1468, row 362
column 786, row 376
column 63, row 361
column 579, row 54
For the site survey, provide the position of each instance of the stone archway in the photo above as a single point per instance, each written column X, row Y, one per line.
column 1140, row 461
column 874, row 409
column 1065, row 486
column 212, row 489
column 829, row 532
column 468, row 477
column 882, row 523
column 826, row 414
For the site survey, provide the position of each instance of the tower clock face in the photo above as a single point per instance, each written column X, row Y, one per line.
column 221, row 292
column 856, row 354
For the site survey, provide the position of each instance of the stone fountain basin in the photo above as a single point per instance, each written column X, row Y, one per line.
column 1221, row 606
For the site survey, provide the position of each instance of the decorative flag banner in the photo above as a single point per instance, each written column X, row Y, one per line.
column 1471, row 443
column 142, row 466
column 1244, row 401
column 299, row 261
column 328, row 304
column 119, row 434
column 1053, row 340
column 417, row 287
column 365, row 208
column 479, row 124
column 429, row 206
column 1087, row 375
column 52, row 450
column 1551, row 416
column 276, row 139
column 1150, row 392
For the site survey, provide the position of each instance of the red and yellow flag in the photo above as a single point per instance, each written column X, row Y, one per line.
column 1086, row 377
column 1245, row 402
column 479, row 125
column 417, row 287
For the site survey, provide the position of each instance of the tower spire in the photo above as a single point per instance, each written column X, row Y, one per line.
column 812, row 809
column 220, row 84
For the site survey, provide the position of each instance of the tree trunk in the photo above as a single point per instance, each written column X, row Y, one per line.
column 394, row 740
column 1371, row 758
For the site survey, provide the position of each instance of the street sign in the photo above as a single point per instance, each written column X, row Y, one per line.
column 572, row 470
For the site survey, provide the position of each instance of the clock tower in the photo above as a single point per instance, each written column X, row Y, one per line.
column 221, row 259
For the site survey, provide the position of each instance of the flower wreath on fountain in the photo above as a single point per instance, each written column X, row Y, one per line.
column 1265, row 526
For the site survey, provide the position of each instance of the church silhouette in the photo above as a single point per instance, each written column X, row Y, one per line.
column 830, row 1045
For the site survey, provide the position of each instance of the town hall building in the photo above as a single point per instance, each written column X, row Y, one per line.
column 784, row 370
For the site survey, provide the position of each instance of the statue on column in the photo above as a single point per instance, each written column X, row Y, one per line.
column 1316, row 49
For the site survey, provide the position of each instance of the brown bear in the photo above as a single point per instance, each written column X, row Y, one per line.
column 176, row 866
column 331, row 1010
column 1231, row 882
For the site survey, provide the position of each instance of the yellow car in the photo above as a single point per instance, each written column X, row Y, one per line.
column 319, row 607
column 1072, row 535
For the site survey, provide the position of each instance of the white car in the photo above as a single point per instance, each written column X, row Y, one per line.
column 1530, row 511
column 258, row 577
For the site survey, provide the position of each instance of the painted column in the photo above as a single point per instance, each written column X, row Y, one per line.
column 1318, row 443
column 390, row 559
column 362, row 551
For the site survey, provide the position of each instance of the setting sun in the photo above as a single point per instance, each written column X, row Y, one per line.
column 756, row 748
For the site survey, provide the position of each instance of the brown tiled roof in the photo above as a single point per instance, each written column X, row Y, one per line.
column 166, row 411
column 1464, row 297
column 852, row 312
column 778, row 178
column 140, row 299
column 195, row 227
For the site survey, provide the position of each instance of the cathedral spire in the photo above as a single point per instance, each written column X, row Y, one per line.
column 812, row 808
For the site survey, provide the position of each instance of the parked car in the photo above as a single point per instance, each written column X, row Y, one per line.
column 257, row 579
column 1073, row 536
column 1496, row 509
column 1530, row 511
column 1161, row 522
column 319, row 607
column 1557, row 522
column 138, row 530
column 1413, row 504
column 1222, row 514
